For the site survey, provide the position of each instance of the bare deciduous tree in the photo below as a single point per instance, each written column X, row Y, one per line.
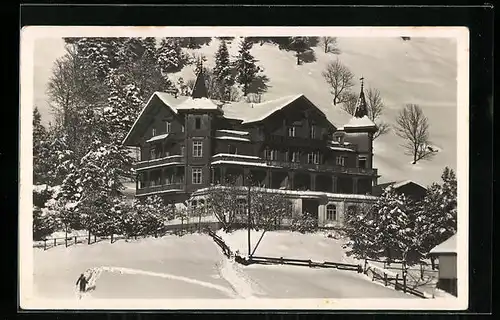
column 412, row 126
column 340, row 79
column 329, row 45
column 375, row 109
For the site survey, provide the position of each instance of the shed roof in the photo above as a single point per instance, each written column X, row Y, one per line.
column 448, row 246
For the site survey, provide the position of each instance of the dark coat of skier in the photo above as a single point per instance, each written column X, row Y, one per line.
column 83, row 282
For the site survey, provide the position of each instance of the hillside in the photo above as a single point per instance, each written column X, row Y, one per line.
column 421, row 71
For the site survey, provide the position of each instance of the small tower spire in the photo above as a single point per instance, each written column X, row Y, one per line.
column 199, row 88
column 361, row 107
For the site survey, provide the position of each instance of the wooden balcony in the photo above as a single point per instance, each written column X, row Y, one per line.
column 160, row 188
column 300, row 142
column 170, row 160
column 322, row 167
column 258, row 162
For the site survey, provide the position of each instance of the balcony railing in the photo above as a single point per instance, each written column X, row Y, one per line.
column 293, row 165
column 160, row 188
column 170, row 160
column 295, row 141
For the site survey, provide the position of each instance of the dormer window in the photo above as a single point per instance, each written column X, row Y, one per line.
column 168, row 126
column 153, row 132
column 292, row 131
column 340, row 161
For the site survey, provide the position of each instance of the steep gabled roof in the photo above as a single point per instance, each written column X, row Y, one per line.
column 379, row 189
column 448, row 246
column 168, row 100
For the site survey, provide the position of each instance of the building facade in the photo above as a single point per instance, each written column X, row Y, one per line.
column 190, row 143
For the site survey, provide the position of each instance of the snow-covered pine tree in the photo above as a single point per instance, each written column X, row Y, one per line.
column 41, row 150
column 299, row 45
column 222, row 72
column 245, row 64
column 438, row 211
column 169, row 55
column 360, row 228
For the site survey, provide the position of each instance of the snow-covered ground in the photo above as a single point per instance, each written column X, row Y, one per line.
column 191, row 266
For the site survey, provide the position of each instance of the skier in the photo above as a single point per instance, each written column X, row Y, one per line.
column 83, row 283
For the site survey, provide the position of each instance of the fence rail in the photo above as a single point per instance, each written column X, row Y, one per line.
column 91, row 238
column 391, row 279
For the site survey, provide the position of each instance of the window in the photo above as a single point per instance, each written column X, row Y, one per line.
column 312, row 131
column 152, row 153
column 295, row 156
column 197, row 123
column 291, row 131
column 182, row 128
column 273, row 155
column 340, row 161
column 153, row 132
column 168, row 126
column 197, row 148
column 331, row 212
column 197, row 176
column 313, row 157
column 182, row 150
column 362, row 161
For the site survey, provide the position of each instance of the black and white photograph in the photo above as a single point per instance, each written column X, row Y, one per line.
column 242, row 167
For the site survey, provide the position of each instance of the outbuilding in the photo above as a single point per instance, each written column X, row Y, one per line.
column 446, row 253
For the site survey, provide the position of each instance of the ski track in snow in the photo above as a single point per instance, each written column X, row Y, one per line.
column 245, row 288
column 95, row 273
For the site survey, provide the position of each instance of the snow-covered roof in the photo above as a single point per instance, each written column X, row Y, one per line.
column 399, row 184
column 248, row 112
column 253, row 112
column 448, row 246
column 196, row 103
column 234, row 155
column 363, row 122
column 158, row 137
column 243, row 163
column 159, row 165
column 304, row 194
column 341, row 149
column 232, row 138
column 240, row 133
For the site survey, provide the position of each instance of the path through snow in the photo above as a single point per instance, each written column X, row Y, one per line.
column 94, row 273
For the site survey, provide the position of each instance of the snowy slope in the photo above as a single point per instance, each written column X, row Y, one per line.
column 421, row 71
column 191, row 266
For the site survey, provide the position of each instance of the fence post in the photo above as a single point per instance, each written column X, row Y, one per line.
column 75, row 240
column 404, row 282
column 111, row 237
column 66, row 241
column 89, row 238
column 366, row 263
column 396, row 283
column 281, row 260
column 385, row 279
column 55, row 242
column 44, row 244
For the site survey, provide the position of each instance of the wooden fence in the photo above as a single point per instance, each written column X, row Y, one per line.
column 283, row 261
column 389, row 278
column 90, row 238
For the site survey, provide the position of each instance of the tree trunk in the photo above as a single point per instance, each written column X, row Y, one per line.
column 298, row 58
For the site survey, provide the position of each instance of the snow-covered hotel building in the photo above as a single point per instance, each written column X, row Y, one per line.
column 188, row 143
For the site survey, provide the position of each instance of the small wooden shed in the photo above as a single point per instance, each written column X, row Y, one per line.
column 446, row 253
